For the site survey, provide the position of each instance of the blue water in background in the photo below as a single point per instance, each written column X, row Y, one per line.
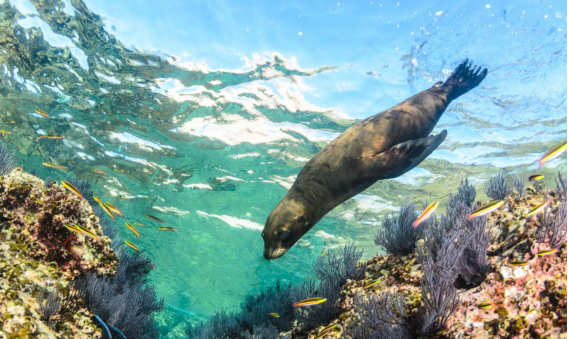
column 213, row 107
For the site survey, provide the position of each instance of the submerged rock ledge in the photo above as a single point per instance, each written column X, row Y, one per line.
column 40, row 257
column 525, row 301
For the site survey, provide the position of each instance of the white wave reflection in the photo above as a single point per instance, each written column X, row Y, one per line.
column 143, row 144
column 234, row 130
column 234, row 222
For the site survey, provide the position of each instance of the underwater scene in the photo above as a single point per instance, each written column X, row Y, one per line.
column 283, row 169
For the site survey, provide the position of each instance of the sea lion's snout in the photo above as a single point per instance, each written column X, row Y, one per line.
column 285, row 225
column 270, row 253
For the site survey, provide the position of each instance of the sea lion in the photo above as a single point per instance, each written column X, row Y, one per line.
column 383, row 146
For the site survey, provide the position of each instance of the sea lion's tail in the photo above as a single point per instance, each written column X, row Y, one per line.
column 463, row 79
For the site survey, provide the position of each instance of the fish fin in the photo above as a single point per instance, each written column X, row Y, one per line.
column 403, row 157
column 463, row 79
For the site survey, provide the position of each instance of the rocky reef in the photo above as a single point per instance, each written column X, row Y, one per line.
column 64, row 273
column 40, row 258
column 520, row 294
column 465, row 274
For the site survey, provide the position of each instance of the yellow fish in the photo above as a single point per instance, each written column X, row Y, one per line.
column 545, row 253
column 123, row 197
column 73, row 228
column 563, row 292
column 113, row 209
column 72, row 188
column 536, row 177
column 99, row 171
column 3, row 131
column 42, row 113
column 425, row 214
column 80, row 229
column 484, row 304
column 140, row 224
column 552, row 153
column 86, row 231
column 131, row 245
column 54, row 166
column 166, row 228
column 519, row 263
column 373, row 283
column 538, row 208
column 323, row 253
column 487, row 208
column 118, row 170
column 130, row 227
column 54, row 137
column 275, row 315
column 326, row 331
column 104, row 207
column 154, row 218
column 309, row 302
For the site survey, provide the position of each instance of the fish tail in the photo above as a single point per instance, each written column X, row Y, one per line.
column 464, row 78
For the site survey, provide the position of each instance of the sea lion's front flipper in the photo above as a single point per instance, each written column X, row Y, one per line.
column 403, row 157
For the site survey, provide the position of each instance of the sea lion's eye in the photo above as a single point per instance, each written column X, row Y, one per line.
column 301, row 219
column 283, row 234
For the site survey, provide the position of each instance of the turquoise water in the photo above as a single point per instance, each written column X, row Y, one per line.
column 211, row 108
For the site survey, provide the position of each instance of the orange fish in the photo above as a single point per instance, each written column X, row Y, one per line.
column 99, row 171
column 552, row 153
column 42, row 113
column 309, row 302
column 426, row 214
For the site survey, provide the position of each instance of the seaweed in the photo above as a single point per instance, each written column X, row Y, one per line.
column 397, row 235
column 519, row 184
column 7, row 161
column 497, row 188
column 561, row 187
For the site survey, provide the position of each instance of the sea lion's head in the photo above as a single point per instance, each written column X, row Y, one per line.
column 285, row 225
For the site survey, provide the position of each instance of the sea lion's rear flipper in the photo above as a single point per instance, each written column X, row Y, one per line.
column 403, row 157
column 463, row 79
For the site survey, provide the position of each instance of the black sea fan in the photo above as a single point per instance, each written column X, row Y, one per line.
column 397, row 235
column 497, row 188
column 129, row 307
column 380, row 316
column 553, row 226
column 473, row 264
column 519, row 184
column 339, row 268
column 7, row 161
